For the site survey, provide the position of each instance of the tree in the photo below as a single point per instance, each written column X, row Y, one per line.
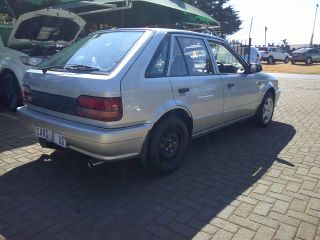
column 227, row 16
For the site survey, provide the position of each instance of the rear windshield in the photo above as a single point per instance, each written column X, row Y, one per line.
column 263, row 49
column 101, row 51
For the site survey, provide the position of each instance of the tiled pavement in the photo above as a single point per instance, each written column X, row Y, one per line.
column 238, row 183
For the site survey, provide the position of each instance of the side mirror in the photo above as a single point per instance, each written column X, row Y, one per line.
column 254, row 68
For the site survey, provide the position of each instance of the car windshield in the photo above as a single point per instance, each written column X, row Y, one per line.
column 101, row 52
column 302, row 50
column 263, row 49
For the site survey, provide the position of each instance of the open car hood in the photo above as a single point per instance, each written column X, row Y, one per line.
column 46, row 27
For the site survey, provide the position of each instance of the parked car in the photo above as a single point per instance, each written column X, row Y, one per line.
column 255, row 55
column 143, row 92
column 273, row 54
column 34, row 37
column 306, row 55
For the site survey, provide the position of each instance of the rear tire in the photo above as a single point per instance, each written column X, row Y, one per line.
column 286, row 60
column 264, row 113
column 168, row 143
column 12, row 92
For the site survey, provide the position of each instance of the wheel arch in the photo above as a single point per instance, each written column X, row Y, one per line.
column 181, row 113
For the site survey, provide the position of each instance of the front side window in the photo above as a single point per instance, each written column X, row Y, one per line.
column 101, row 51
column 225, row 59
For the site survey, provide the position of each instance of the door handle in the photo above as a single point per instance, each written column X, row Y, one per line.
column 230, row 85
column 183, row 90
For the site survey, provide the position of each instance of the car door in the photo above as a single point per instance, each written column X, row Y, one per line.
column 315, row 54
column 241, row 90
column 194, row 82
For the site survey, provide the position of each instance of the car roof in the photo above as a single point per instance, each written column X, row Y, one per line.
column 165, row 30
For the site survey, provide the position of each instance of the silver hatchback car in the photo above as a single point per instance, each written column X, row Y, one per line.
column 143, row 93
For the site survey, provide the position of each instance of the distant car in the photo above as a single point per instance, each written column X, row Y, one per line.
column 34, row 37
column 306, row 55
column 273, row 54
column 143, row 92
column 255, row 55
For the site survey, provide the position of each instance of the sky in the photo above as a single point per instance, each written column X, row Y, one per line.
column 285, row 19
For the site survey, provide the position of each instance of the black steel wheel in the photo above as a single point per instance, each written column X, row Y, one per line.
column 168, row 143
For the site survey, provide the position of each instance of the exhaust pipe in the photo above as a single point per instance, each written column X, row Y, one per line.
column 92, row 163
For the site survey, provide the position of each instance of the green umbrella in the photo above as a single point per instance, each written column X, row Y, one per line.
column 142, row 12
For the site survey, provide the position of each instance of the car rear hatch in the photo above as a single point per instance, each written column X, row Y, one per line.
column 46, row 27
column 83, row 90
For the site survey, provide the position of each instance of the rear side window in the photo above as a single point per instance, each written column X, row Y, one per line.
column 178, row 64
column 159, row 63
column 196, row 56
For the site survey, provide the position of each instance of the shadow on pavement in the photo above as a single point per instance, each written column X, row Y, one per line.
column 63, row 199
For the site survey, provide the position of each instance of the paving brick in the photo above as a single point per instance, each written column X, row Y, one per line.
column 244, row 222
column 230, row 227
column 226, row 212
column 284, row 219
column 298, row 205
column 202, row 236
column 285, row 232
column 262, row 208
column 303, row 217
column 222, row 235
column 244, row 210
column 264, row 233
column 306, row 231
column 261, row 189
column 280, row 206
column 210, row 229
column 308, row 185
column 277, row 188
column 266, row 221
column 280, row 196
column 314, row 204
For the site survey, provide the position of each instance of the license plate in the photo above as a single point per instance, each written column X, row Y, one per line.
column 50, row 136
column 43, row 133
column 59, row 140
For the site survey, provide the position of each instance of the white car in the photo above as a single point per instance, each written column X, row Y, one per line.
column 273, row 54
column 34, row 37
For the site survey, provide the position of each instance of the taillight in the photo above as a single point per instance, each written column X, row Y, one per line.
column 26, row 93
column 99, row 108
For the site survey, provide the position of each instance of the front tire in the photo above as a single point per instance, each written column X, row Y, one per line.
column 270, row 60
column 12, row 92
column 264, row 113
column 168, row 143
column 309, row 61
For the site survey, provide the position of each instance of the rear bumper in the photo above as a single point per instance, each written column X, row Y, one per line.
column 278, row 93
column 101, row 143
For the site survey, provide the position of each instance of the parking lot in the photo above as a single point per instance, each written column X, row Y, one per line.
column 237, row 183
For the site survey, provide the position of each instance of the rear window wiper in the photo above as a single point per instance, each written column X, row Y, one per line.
column 70, row 67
